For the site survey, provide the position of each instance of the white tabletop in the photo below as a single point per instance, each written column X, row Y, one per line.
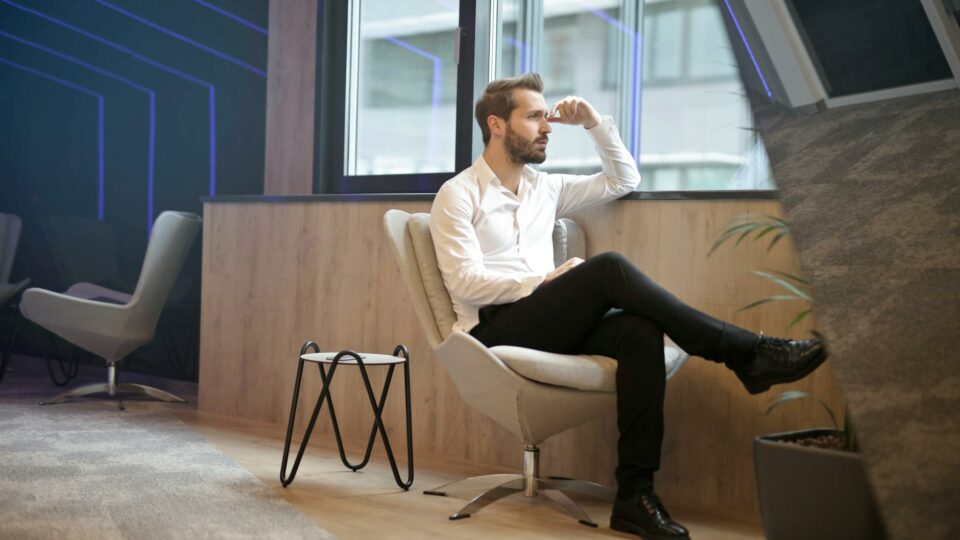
column 367, row 358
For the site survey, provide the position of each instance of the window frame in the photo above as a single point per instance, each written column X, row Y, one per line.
column 480, row 30
column 329, row 157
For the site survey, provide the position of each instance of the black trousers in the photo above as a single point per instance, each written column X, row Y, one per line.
column 607, row 306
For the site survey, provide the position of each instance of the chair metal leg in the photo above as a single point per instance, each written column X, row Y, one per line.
column 155, row 393
column 493, row 494
column 112, row 389
column 442, row 491
column 592, row 489
column 85, row 390
column 548, row 490
column 563, row 503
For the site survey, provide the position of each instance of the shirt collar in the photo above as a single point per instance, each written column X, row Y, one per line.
column 485, row 174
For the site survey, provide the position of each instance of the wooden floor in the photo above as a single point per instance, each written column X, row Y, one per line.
column 368, row 504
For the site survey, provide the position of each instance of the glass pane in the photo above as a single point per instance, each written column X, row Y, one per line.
column 514, row 54
column 405, row 120
column 710, row 53
column 695, row 119
column 579, row 55
column 666, row 43
column 866, row 45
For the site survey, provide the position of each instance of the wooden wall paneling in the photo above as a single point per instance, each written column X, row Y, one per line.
column 278, row 274
column 291, row 55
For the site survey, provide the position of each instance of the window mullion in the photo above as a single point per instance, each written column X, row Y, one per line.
column 489, row 28
column 631, row 74
column 352, row 96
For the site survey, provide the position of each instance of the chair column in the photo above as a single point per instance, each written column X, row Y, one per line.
column 531, row 470
column 112, row 379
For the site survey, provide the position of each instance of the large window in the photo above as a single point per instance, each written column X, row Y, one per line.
column 394, row 86
column 401, row 113
column 664, row 69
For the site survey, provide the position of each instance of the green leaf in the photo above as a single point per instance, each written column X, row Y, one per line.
column 800, row 316
column 785, row 284
column 728, row 233
column 732, row 229
column 783, row 224
column 747, row 232
column 791, row 277
column 764, row 232
column 777, row 238
column 786, row 397
column 778, row 298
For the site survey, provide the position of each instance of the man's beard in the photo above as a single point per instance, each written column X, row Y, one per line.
column 520, row 150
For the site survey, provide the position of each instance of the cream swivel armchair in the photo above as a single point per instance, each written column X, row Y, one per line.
column 9, row 237
column 111, row 330
column 533, row 394
column 10, row 227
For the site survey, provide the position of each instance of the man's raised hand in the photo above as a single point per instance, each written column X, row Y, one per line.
column 562, row 269
column 575, row 111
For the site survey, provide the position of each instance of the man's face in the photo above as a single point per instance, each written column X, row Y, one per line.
column 526, row 132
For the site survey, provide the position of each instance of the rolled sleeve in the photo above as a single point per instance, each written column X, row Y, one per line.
column 619, row 175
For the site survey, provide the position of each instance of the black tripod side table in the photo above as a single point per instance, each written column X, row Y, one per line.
column 361, row 361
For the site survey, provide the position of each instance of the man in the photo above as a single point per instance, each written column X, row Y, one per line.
column 492, row 228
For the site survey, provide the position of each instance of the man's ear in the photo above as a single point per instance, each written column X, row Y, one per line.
column 496, row 125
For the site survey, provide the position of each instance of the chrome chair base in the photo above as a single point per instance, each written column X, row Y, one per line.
column 112, row 388
column 550, row 490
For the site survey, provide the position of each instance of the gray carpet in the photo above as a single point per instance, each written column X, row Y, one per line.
column 87, row 470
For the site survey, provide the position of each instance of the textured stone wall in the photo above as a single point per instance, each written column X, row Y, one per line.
column 873, row 193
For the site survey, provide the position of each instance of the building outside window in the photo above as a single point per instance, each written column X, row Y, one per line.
column 686, row 119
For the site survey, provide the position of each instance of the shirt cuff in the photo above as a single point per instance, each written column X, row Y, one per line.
column 602, row 132
column 530, row 284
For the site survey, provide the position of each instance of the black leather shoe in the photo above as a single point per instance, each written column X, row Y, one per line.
column 644, row 515
column 779, row 361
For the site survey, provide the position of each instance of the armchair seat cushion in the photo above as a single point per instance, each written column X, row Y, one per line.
column 582, row 372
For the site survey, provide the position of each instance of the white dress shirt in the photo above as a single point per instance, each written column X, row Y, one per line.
column 494, row 247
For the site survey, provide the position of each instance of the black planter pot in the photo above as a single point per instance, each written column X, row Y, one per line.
column 808, row 492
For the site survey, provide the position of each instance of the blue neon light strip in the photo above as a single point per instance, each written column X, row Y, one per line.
column 152, row 98
column 435, row 91
column 183, row 38
column 749, row 50
column 524, row 58
column 635, row 103
column 163, row 67
column 229, row 15
column 88, row 92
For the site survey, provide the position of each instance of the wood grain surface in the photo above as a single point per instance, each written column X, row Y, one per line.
column 291, row 57
column 278, row 274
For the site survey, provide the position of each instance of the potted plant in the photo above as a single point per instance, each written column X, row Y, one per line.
column 812, row 483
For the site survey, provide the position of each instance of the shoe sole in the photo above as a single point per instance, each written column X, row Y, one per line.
column 622, row 525
column 759, row 387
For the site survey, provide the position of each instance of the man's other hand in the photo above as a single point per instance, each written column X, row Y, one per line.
column 562, row 269
column 575, row 111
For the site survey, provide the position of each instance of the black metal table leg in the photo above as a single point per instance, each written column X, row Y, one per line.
column 376, row 405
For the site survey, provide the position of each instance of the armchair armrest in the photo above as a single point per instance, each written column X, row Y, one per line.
column 69, row 316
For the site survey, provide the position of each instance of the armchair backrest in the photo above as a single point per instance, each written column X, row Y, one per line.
column 412, row 246
column 9, row 237
column 170, row 240
column 84, row 249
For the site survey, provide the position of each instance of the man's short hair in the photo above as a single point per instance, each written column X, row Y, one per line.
column 498, row 100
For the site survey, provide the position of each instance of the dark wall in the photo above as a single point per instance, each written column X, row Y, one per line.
column 62, row 62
